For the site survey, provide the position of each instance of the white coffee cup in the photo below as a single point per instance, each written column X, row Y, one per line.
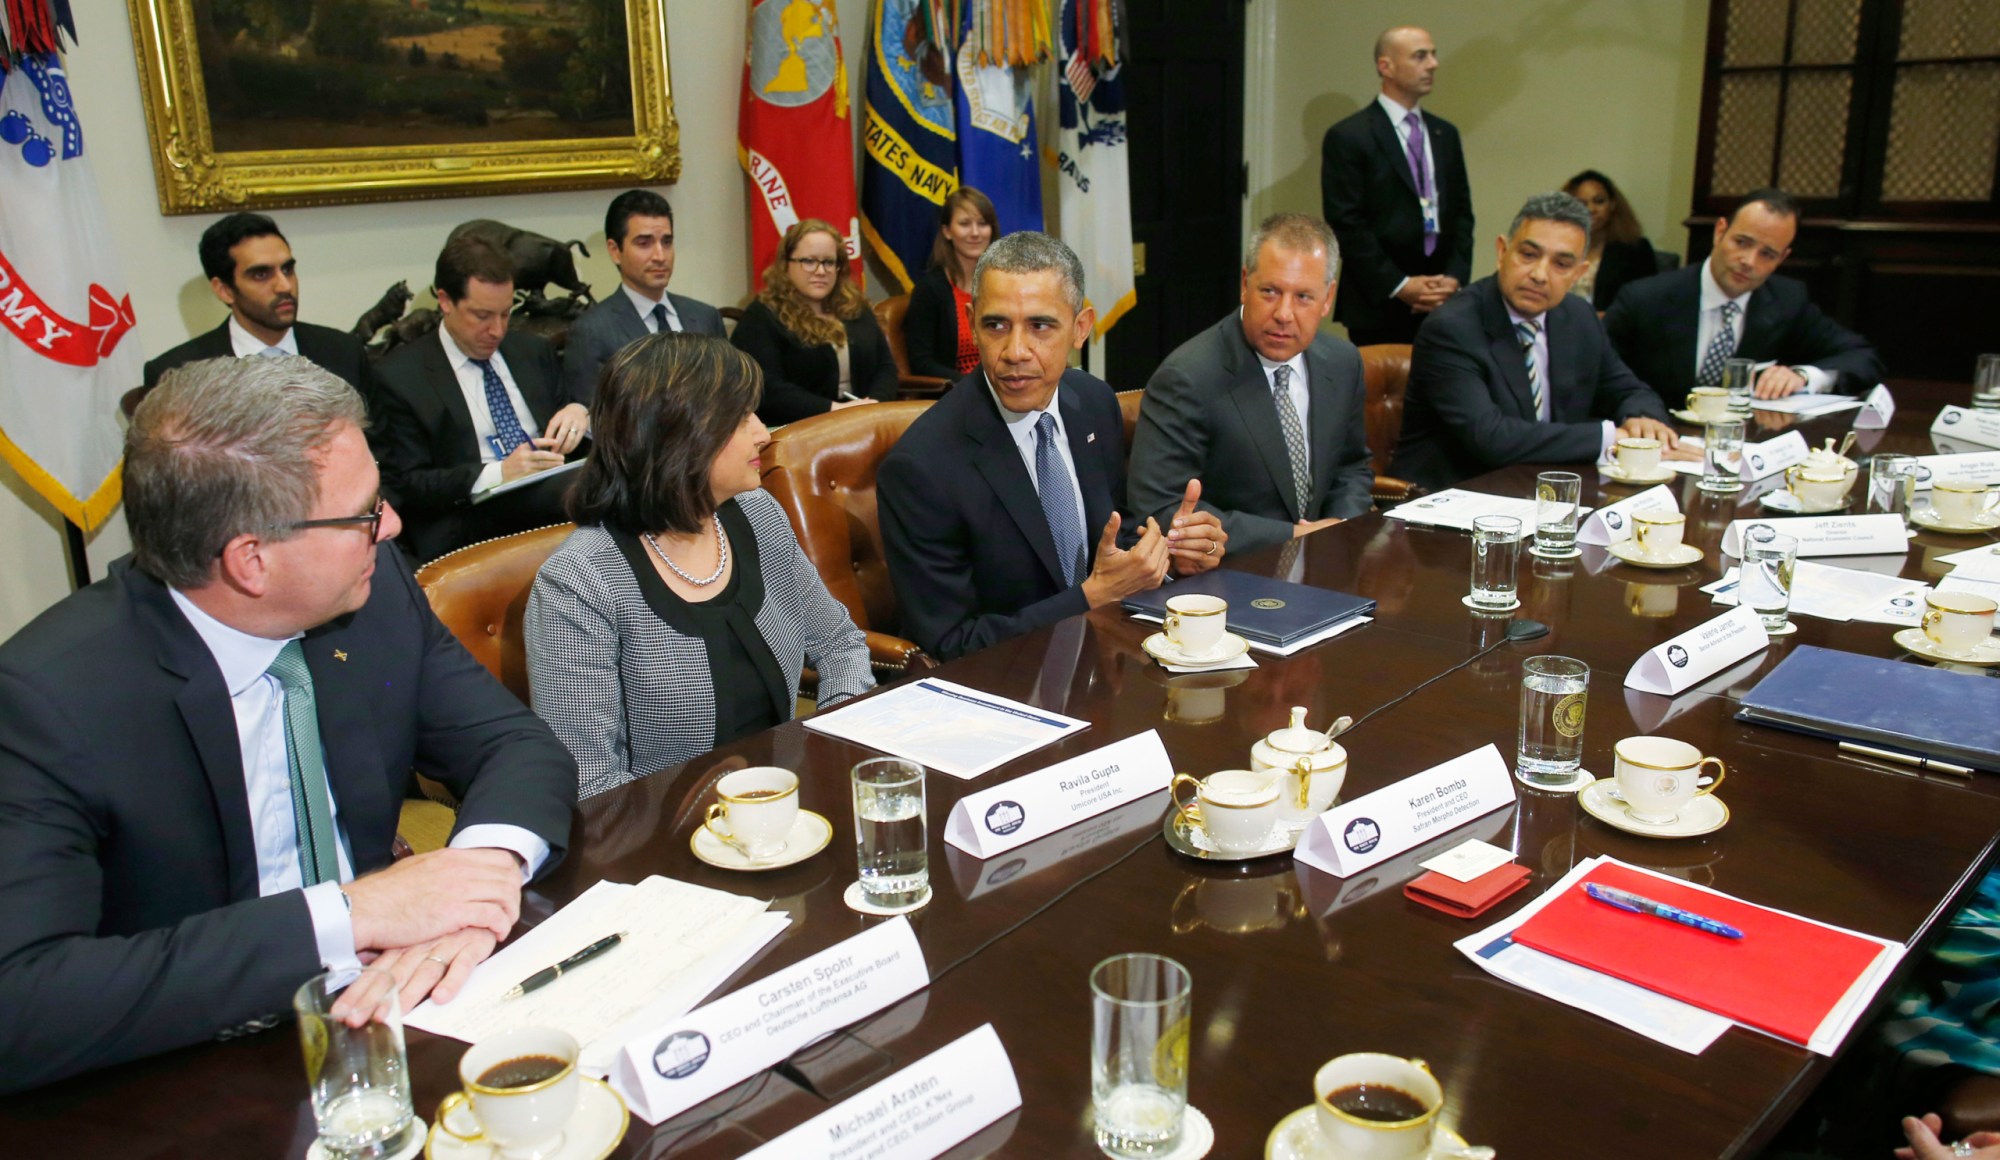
column 1195, row 623
column 1639, row 456
column 1709, row 403
column 757, row 808
column 1958, row 622
column 1817, row 487
column 1359, row 1137
column 1960, row 501
column 521, row 1121
column 1237, row 807
column 1657, row 534
column 1659, row 775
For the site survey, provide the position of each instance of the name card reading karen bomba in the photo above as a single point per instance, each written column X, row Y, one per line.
column 1981, row 427
column 1612, row 523
column 1877, row 408
column 1876, row 535
column 1378, row 826
column 1034, row 805
column 672, row 1068
column 1763, row 460
column 1700, row 652
column 917, row 1113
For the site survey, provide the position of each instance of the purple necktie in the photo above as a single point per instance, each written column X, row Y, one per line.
column 1421, row 174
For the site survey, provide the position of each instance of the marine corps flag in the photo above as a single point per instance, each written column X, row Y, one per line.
column 793, row 134
column 1096, row 191
column 907, row 133
column 66, row 349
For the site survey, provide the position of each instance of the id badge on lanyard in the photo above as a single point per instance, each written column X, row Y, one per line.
column 1430, row 207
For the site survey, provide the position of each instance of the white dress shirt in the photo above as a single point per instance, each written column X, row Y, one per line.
column 473, row 384
column 644, row 306
column 1021, row 428
column 243, row 344
column 1547, row 412
column 1712, row 299
column 1399, row 122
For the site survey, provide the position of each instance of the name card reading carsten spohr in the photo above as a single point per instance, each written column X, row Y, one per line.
column 917, row 1113
column 1879, row 534
column 676, row 1066
column 1378, row 826
column 1763, row 460
column 1612, row 523
column 1981, row 427
column 1017, row 812
column 1700, row 652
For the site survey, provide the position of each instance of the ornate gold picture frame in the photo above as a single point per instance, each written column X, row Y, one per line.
column 327, row 102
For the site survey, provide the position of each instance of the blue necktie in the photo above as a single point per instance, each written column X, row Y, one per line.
column 312, row 807
column 507, row 432
column 1058, row 501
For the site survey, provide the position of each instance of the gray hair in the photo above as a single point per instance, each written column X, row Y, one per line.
column 1299, row 233
column 1032, row 252
column 225, row 447
column 1553, row 207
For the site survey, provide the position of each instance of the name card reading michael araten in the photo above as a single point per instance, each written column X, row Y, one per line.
column 1377, row 826
column 1017, row 812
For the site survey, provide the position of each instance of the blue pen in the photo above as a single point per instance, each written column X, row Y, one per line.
column 1625, row 900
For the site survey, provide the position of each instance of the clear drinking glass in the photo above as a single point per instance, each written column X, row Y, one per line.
column 1496, row 558
column 1722, row 456
column 1986, row 383
column 1557, row 496
column 1892, row 479
column 1739, row 375
column 891, row 831
column 359, row 1076
column 1765, row 579
column 1140, row 1012
column 1553, row 694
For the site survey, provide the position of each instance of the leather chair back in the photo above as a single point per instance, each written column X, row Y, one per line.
column 1385, row 372
column 1128, row 406
column 481, row 591
column 889, row 316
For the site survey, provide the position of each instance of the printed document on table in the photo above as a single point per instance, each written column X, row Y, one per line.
column 1835, row 593
column 520, row 482
column 950, row 728
column 1806, row 403
column 1456, row 508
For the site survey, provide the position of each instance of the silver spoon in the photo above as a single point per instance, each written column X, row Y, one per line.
column 1340, row 725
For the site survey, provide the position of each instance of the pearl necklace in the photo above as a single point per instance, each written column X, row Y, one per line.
column 722, row 543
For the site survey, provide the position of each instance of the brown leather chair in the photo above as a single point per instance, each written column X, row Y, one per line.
column 821, row 470
column 1385, row 372
column 480, row 592
column 889, row 316
column 1128, row 406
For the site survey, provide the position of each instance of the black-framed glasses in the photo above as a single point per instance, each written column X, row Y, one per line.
column 373, row 518
column 821, row 264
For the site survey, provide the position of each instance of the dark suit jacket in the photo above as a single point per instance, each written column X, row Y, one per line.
column 424, row 439
column 1208, row 414
column 802, row 378
column 132, row 922
column 1620, row 264
column 604, row 329
column 968, row 544
column 1370, row 200
column 1656, row 321
column 930, row 327
column 338, row 352
column 1469, row 410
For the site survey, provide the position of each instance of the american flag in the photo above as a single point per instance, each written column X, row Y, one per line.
column 1082, row 78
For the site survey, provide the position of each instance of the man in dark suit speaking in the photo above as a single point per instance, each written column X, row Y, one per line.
column 1675, row 330
column 1261, row 406
column 999, row 505
column 1392, row 181
column 639, row 233
column 1515, row 370
column 202, row 755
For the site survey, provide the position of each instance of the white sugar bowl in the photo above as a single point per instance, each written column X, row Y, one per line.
column 1310, row 769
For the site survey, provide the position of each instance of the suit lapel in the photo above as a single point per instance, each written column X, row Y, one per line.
column 535, row 390
column 451, row 400
column 1682, row 322
column 1392, row 145
column 1507, row 353
column 216, row 344
column 1760, row 324
column 1090, row 475
column 346, row 733
column 1250, row 392
column 1320, row 436
column 1564, row 375
column 998, row 460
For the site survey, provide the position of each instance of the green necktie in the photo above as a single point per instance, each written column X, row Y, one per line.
column 312, row 808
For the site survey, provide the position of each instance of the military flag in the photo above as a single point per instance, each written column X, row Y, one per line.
column 908, row 132
column 1096, row 198
column 998, row 151
column 794, row 134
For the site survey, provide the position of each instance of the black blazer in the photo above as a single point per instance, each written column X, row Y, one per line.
column 801, row 378
column 1370, row 200
column 132, row 923
column 930, row 326
column 604, row 329
column 968, row 546
column 1620, row 263
column 1657, row 320
column 1469, row 410
column 337, row 351
column 1208, row 414
column 424, row 439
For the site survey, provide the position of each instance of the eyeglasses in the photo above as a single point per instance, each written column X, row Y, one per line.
column 820, row 264
column 373, row 518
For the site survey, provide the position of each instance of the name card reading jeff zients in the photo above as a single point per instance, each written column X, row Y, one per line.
column 1981, row 427
column 1017, row 812
column 1877, row 408
column 1612, row 523
column 1874, row 535
column 1972, row 467
column 1763, row 460
column 1700, row 652
column 917, row 1113
column 676, row 1066
column 1378, row 826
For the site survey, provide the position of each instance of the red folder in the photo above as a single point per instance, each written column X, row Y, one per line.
column 1783, row 976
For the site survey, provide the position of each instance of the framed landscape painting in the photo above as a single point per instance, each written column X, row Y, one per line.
column 268, row 103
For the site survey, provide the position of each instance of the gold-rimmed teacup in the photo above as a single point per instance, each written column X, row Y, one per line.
column 1958, row 622
column 1658, row 775
column 1341, row 1088
column 1195, row 623
column 1817, row 487
column 756, row 810
column 1657, row 534
column 1236, row 808
column 1961, row 501
column 1709, row 403
column 1638, row 456
column 520, row 1089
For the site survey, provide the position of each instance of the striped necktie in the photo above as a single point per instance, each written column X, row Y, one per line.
column 1526, row 332
column 1295, row 436
column 1058, row 501
column 312, row 805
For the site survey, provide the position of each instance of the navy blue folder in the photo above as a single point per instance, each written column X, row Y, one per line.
column 1914, row 708
column 1275, row 612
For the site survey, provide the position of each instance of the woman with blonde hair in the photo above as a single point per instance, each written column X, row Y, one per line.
column 811, row 332
column 1619, row 251
column 938, row 327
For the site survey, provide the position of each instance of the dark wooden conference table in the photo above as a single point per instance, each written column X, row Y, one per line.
column 1291, row 967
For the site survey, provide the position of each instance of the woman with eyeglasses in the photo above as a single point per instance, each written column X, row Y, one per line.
column 812, row 333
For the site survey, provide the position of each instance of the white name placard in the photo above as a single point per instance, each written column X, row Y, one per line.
column 1034, row 805
column 917, row 1113
column 1377, row 826
column 1763, row 460
column 1828, row 535
column 1877, row 408
column 1972, row 467
column 1981, row 427
column 1699, row 653
column 683, row 1062
column 1613, row 522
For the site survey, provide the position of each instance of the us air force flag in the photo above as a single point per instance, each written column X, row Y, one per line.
column 998, row 152
column 908, row 134
column 1096, row 192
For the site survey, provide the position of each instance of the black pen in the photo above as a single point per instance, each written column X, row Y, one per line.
column 547, row 975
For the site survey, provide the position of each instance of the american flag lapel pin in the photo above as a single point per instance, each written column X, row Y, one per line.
column 1090, row 438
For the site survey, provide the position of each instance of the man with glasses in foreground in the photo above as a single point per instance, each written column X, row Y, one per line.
column 203, row 755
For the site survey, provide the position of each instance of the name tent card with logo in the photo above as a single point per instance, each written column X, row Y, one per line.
column 1378, row 826
column 1876, row 410
column 1873, row 535
column 1034, row 805
column 1981, row 427
column 1612, row 523
column 1972, row 467
column 671, row 1068
column 1699, row 653
column 1763, row 460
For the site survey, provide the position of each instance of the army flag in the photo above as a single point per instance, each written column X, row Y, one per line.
column 1096, row 196
column 908, row 135
column 794, row 135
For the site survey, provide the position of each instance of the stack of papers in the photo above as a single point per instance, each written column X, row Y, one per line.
column 1834, row 593
column 1805, row 403
column 1456, row 508
column 950, row 728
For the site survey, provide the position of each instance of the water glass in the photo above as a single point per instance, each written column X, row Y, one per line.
column 1558, row 495
column 1553, row 693
column 891, row 831
column 1765, row 579
column 1986, row 383
column 1739, row 375
column 359, row 1076
column 1496, row 556
column 1892, row 479
column 1722, row 456
column 1140, row 1016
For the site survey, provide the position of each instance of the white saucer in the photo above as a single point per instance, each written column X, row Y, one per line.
column 1161, row 649
column 594, row 1129
column 1785, row 501
column 1927, row 518
column 1660, row 474
column 1581, row 779
column 857, row 901
column 1684, row 555
column 1687, row 415
column 413, row 1143
column 1477, row 607
column 1197, row 1136
column 1701, row 815
column 1297, row 1138
column 808, row 836
column 1913, row 639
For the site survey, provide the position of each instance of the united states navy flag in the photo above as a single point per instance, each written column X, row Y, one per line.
column 908, row 133
column 998, row 153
